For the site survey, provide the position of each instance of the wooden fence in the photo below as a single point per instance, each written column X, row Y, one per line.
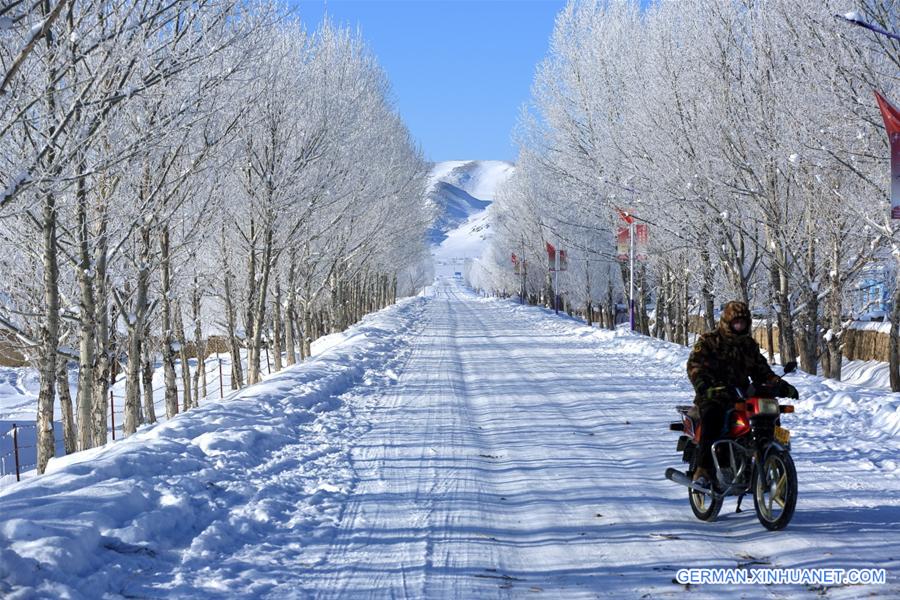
column 859, row 344
column 12, row 356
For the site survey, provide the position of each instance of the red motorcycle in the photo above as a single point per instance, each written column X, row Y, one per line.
column 754, row 456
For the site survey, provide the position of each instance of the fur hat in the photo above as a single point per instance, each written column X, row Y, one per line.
column 733, row 311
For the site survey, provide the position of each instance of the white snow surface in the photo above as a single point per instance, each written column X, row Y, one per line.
column 466, row 243
column 449, row 447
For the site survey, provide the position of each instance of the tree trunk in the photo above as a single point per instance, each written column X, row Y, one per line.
column 277, row 327
column 168, row 354
column 306, row 346
column 136, row 328
column 686, row 311
column 610, row 305
column 658, row 311
column 335, row 320
column 237, row 376
column 249, row 315
column 706, row 290
column 291, row 315
column 199, row 345
column 104, row 315
column 290, row 324
column 894, row 344
column 147, row 378
column 787, row 346
column 133, row 376
column 88, row 326
column 187, row 397
column 260, row 311
column 65, row 405
column 679, row 312
column 643, row 324
column 835, row 307
column 809, row 358
column 49, row 341
column 671, row 301
column 49, row 332
column 810, row 338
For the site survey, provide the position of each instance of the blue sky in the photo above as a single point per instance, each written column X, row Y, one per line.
column 460, row 69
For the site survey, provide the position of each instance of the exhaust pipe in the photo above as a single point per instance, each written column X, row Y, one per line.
column 679, row 477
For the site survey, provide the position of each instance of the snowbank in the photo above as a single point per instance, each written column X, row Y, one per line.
column 99, row 518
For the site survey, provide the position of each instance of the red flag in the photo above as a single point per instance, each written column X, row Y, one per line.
column 641, row 237
column 515, row 259
column 563, row 260
column 622, row 243
column 891, row 118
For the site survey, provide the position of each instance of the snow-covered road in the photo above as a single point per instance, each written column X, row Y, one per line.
column 507, row 458
column 452, row 447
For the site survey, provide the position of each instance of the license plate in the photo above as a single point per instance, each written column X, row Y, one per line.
column 782, row 435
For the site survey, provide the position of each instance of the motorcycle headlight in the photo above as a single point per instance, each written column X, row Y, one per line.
column 768, row 406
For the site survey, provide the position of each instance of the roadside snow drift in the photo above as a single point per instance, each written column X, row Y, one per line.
column 267, row 467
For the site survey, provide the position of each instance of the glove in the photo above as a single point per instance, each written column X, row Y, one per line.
column 719, row 395
column 786, row 390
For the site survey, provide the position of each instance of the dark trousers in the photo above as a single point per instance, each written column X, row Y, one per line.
column 712, row 420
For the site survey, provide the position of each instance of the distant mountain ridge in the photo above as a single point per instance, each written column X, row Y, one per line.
column 459, row 189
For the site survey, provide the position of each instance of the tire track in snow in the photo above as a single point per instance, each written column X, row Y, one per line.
column 521, row 454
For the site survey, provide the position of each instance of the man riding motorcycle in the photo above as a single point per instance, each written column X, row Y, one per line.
column 722, row 361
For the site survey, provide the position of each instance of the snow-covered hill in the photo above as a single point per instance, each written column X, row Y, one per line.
column 454, row 207
column 461, row 191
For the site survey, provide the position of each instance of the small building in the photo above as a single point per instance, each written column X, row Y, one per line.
column 870, row 297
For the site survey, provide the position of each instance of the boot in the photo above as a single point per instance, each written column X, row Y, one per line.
column 701, row 473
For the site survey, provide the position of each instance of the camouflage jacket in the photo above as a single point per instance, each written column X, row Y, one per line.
column 723, row 360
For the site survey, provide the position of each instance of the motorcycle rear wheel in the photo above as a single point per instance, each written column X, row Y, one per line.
column 775, row 490
column 705, row 507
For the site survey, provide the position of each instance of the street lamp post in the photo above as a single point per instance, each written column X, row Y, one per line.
column 524, row 270
column 556, row 279
column 631, row 271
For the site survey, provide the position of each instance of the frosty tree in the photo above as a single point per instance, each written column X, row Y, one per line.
column 166, row 160
column 744, row 134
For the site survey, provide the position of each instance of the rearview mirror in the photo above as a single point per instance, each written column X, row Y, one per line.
column 790, row 367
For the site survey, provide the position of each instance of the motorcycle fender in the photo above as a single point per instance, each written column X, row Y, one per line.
column 769, row 448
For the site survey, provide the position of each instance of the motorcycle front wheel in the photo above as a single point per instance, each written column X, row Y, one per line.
column 775, row 490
